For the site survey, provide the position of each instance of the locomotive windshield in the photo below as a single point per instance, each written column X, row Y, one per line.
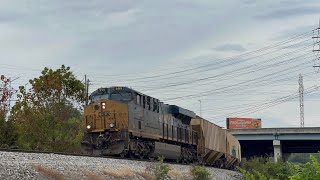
column 99, row 94
column 96, row 98
column 114, row 93
column 121, row 96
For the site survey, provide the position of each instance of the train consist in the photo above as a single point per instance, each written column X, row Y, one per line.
column 122, row 121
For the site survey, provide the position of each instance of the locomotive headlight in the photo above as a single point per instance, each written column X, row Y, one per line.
column 103, row 105
column 112, row 125
column 88, row 127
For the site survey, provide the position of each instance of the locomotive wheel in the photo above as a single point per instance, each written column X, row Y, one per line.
column 88, row 152
column 151, row 159
column 184, row 161
column 123, row 154
column 141, row 156
column 86, row 149
column 200, row 161
column 179, row 159
column 131, row 154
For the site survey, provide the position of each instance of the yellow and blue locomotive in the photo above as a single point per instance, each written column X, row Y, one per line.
column 122, row 121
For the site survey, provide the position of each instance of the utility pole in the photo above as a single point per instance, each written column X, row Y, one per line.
column 86, row 85
column 301, row 89
column 316, row 47
column 85, row 82
column 200, row 108
column 86, row 89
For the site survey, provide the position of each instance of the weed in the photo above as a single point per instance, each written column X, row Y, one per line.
column 161, row 170
column 199, row 173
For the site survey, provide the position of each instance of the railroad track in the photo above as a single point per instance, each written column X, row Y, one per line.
column 92, row 156
column 50, row 152
column 82, row 155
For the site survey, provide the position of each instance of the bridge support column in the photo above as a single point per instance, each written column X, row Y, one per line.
column 277, row 152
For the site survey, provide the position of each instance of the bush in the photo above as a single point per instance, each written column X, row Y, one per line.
column 254, row 175
column 302, row 158
column 161, row 170
column 199, row 173
column 310, row 170
column 8, row 134
column 260, row 167
column 263, row 169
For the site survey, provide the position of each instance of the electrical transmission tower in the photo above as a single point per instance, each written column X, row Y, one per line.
column 316, row 47
column 301, row 89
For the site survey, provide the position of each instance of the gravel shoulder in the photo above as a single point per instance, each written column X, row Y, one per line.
column 17, row 165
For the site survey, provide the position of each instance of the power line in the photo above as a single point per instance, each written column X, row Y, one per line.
column 224, row 99
column 228, row 73
column 236, row 72
column 263, row 82
column 233, row 85
column 206, row 65
column 223, row 63
column 267, row 104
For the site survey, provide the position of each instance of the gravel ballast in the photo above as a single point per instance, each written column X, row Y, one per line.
column 18, row 165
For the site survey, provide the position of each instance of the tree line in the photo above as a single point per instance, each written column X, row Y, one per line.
column 46, row 116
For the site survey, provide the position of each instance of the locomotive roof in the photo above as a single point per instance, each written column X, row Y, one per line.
column 122, row 87
column 173, row 108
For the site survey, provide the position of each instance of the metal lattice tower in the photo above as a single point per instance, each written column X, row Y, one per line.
column 301, row 89
column 316, row 48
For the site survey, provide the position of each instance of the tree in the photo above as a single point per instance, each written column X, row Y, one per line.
column 47, row 115
column 7, row 133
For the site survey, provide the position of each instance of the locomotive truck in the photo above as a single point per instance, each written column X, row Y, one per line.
column 124, row 122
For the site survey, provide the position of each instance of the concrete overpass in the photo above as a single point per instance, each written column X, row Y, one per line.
column 277, row 142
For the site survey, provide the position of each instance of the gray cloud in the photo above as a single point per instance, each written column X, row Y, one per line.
column 249, row 2
column 9, row 17
column 230, row 47
column 294, row 32
column 115, row 37
column 284, row 13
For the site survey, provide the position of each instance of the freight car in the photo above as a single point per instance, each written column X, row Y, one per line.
column 216, row 146
column 122, row 121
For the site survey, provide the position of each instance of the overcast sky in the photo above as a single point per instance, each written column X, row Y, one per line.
column 179, row 51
